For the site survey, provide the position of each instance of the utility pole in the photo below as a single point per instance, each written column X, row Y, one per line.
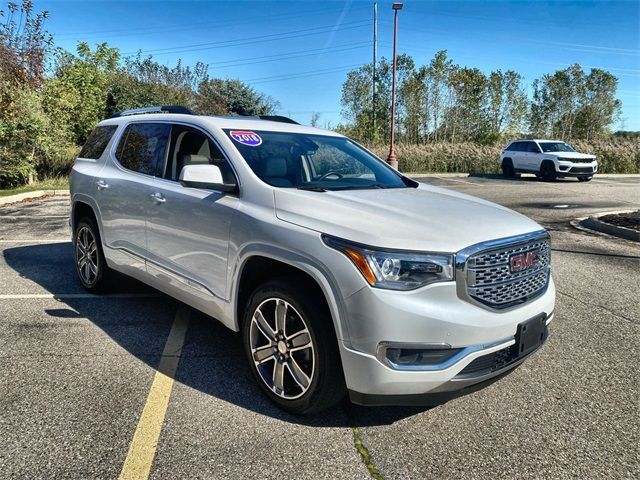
column 392, row 159
column 375, row 59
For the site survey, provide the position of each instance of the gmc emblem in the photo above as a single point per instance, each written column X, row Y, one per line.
column 522, row 261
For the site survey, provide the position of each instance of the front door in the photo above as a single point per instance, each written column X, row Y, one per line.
column 188, row 228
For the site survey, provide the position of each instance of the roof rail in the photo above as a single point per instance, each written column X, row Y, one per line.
column 154, row 109
column 277, row 118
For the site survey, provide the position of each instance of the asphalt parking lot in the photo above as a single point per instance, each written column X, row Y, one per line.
column 76, row 371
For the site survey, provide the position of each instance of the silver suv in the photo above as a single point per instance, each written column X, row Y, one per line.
column 341, row 274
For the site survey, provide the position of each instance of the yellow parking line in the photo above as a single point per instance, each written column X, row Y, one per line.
column 142, row 450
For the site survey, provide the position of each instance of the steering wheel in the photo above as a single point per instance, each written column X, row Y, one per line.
column 330, row 173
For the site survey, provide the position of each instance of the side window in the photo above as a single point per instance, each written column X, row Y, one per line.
column 143, row 146
column 516, row 147
column 97, row 142
column 533, row 147
column 512, row 147
column 190, row 146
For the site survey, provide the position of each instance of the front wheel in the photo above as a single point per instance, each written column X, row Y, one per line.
column 584, row 179
column 548, row 172
column 292, row 348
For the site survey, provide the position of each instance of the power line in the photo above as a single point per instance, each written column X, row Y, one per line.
column 310, row 73
column 285, row 56
column 248, row 40
column 174, row 27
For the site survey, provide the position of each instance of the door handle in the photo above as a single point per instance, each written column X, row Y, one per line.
column 102, row 184
column 158, row 198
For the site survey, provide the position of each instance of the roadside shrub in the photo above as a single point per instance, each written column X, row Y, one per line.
column 614, row 156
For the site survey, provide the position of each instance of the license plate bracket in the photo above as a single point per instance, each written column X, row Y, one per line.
column 530, row 334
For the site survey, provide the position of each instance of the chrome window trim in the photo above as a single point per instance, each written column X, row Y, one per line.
column 485, row 247
column 117, row 136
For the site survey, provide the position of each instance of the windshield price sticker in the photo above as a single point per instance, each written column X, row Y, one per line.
column 251, row 139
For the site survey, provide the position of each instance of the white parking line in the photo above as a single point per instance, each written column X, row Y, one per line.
column 31, row 216
column 62, row 296
column 449, row 179
column 40, row 240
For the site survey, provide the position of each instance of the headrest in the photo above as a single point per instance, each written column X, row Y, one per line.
column 194, row 160
column 276, row 167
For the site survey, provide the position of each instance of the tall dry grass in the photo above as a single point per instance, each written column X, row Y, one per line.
column 614, row 156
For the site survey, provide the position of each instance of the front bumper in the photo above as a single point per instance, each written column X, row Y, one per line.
column 569, row 169
column 434, row 315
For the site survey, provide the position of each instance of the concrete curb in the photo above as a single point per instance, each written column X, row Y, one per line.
column 592, row 223
column 20, row 197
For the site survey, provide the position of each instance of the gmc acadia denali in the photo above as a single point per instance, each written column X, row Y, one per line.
column 341, row 274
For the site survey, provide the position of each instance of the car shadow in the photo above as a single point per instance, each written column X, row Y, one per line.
column 212, row 360
column 519, row 177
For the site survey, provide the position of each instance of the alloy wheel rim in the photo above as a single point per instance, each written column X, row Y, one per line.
column 87, row 256
column 281, row 348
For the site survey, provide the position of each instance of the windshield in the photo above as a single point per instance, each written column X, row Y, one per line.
column 556, row 147
column 312, row 162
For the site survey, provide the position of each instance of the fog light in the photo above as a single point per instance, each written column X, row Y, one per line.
column 419, row 356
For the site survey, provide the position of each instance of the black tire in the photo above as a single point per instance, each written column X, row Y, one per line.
column 548, row 172
column 86, row 233
column 325, row 380
column 507, row 168
column 584, row 179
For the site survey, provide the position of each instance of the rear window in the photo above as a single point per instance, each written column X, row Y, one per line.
column 97, row 142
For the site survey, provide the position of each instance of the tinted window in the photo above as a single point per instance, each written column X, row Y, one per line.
column 97, row 142
column 511, row 147
column 318, row 162
column 532, row 147
column 143, row 146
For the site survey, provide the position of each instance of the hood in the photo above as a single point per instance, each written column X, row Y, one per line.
column 425, row 218
column 570, row 155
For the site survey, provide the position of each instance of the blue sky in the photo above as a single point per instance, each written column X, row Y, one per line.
column 299, row 52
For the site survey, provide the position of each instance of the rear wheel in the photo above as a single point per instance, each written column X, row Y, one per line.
column 548, row 172
column 91, row 266
column 292, row 348
column 584, row 179
column 507, row 168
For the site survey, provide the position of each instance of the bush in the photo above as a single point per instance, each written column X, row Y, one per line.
column 614, row 156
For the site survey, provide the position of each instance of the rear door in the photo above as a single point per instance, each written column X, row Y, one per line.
column 188, row 228
column 123, row 189
column 533, row 156
column 518, row 155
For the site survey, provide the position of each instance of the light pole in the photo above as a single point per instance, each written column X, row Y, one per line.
column 391, row 159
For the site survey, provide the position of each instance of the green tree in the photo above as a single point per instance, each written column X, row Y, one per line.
column 357, row 97
column 75, row 97
column 218, row 96
column 600, row 108
column 506, row 104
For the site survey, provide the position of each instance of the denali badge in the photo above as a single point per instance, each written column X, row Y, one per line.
column 522, row 261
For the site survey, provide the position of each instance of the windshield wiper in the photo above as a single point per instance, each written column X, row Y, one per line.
column 311, row 188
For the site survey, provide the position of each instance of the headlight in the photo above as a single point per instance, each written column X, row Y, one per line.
column 395, row 270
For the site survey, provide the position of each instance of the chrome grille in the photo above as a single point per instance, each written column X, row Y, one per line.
column 484, row 275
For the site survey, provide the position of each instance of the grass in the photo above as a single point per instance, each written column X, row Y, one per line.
column 59, row 183
column 614, row 156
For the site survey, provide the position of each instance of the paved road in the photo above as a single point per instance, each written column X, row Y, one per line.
column 76, row 370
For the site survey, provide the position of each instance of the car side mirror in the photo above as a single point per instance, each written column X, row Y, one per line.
column 205, row 176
